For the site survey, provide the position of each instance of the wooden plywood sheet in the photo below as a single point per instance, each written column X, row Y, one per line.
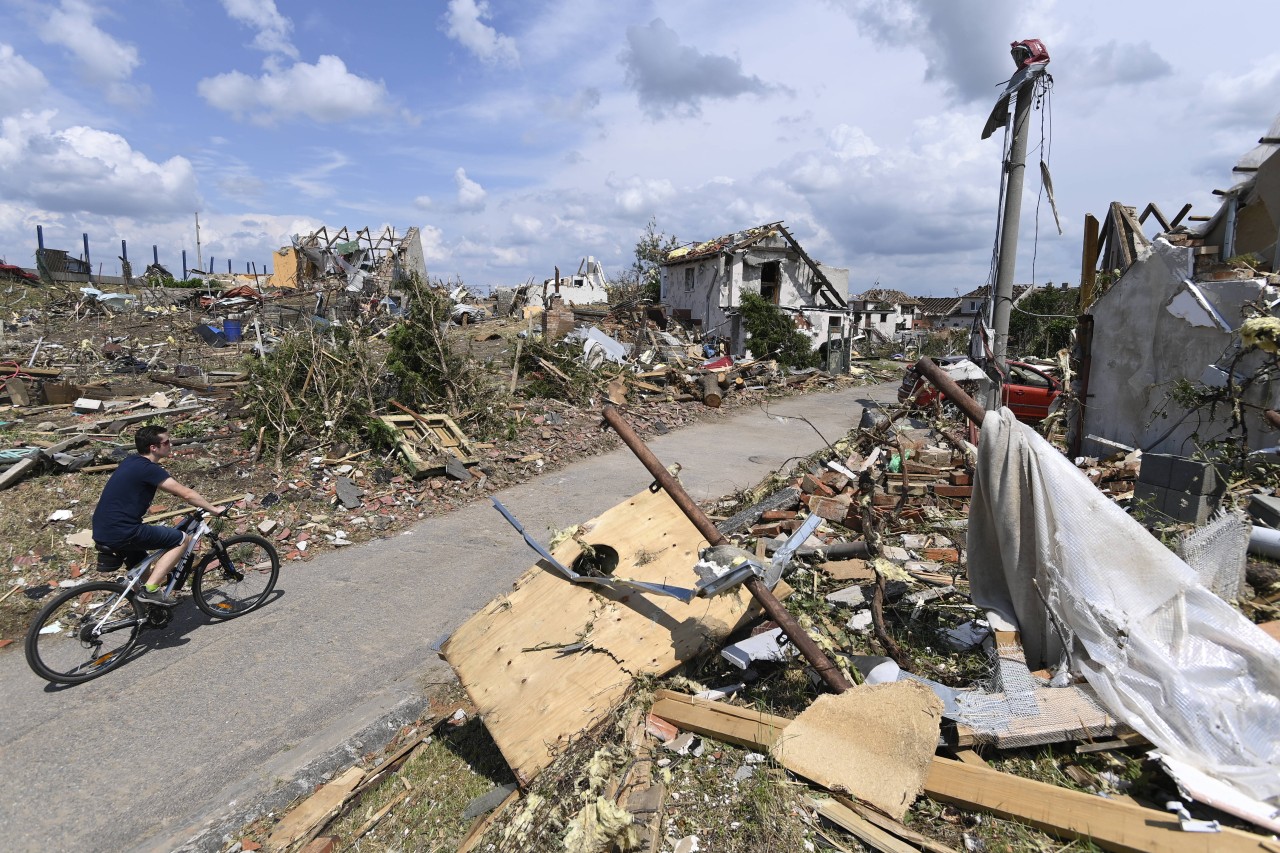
column 511, row 657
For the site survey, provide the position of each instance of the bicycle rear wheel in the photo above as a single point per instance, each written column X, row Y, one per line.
column 83, row 632
column 235, row 577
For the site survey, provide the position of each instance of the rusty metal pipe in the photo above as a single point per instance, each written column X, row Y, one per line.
column 972, row 409
column 773, row 608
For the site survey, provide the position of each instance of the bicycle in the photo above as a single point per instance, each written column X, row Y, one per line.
column 88, row 630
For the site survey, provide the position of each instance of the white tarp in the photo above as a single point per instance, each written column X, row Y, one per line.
column 1164, row 654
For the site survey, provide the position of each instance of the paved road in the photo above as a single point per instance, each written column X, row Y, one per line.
column 216, row 721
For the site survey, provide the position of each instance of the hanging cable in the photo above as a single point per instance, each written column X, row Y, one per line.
column 1043, row 90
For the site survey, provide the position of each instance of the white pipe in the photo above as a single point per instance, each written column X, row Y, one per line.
column 1265, row 542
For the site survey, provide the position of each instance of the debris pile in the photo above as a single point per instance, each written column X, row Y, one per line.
column 874, row 538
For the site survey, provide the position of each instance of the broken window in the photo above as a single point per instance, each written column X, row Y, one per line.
column 688, row 280
column 833, row 322
column 770, row 277
column 884, row 317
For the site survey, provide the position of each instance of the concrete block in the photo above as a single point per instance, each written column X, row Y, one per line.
column 1197, row 478
column 1194, row 509
column 1265, row 509
column 1155, row 469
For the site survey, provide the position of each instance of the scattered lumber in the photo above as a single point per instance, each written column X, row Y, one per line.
column 1058, row 811
column 315, row 811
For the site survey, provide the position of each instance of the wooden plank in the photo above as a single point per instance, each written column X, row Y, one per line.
column 858, row 826
column 533, row 696
column 173, row 513
column 481, row 824
column 17, row 389
column 1110, row 824
column 729, row 723
column 315, row 811
column 891, row 826
column 1058, row 811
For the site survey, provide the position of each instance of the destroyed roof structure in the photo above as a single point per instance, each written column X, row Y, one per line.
column 380, row 260
column 703, row 284
column 888, row 312
column 1208, row 299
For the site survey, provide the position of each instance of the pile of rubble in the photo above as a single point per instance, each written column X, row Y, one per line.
column 79, row 376
column 937, row 667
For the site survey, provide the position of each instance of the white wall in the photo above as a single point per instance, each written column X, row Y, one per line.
column 1150, row 332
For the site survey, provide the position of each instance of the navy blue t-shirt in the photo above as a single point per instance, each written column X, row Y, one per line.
column 125, row 499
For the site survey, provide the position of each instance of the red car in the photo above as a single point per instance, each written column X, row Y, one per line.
column 1028, row 391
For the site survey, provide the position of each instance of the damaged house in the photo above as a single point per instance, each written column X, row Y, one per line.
column 363, row 259
column 703, row 284
column 1208, row 298
column 885, row 313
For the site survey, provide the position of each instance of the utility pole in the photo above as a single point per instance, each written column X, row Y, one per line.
column 1030, row 57
column 199, row 259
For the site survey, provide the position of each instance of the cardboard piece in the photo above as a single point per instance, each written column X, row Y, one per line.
column 873, row 742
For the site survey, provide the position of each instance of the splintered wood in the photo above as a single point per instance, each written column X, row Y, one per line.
column 547, row 661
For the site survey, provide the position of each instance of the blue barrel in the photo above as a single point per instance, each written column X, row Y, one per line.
column 231, row 328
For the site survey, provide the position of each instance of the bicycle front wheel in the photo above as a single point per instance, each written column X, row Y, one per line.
column 235, row 577
column 84, row 632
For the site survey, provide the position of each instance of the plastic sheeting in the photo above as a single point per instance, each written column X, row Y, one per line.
column 1053, row 556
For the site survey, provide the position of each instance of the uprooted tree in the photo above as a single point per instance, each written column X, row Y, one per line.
column 315, row 389
column 432, row 373
column 773, row 334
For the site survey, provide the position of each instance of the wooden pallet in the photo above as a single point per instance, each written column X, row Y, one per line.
column 425, row 441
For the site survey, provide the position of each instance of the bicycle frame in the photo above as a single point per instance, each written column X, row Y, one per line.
column 177, row 575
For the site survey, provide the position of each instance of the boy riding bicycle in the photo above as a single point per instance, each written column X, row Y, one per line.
column 117, row 520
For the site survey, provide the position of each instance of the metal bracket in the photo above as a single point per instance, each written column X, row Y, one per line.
column 676, row 592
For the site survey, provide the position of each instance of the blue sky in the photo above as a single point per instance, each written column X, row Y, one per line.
column 519, row 136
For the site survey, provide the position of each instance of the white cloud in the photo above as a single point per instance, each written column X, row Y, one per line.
column 84, row 169
column 964, row 43
column 465, row 25
column 847, row 143
column 471, row 195
column 273, row 28
column 643, row 196
column 422, row 202
column 318, row 181
column 21, row 83
column 1115, row 64
column 106, row 60
column 433, row 247
column 671, row 78
column 1247, row 99
column 526, row 228
column 323, row 92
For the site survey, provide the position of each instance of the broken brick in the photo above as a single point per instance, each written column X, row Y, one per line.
column 813, row 486
column 942, row 555
column 945, row 491
column 777, row 515
column 832, row 509
column 959, row 478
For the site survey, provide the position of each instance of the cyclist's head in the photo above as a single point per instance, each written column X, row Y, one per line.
column 144, row 438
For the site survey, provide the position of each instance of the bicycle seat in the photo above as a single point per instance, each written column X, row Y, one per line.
column 111, row 560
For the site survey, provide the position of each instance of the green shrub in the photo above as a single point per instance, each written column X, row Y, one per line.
column 774, row 334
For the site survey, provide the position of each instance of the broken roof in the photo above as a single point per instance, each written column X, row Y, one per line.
column 726, row 243
column 939, row 306
column 739, row 240
column 893, row 297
